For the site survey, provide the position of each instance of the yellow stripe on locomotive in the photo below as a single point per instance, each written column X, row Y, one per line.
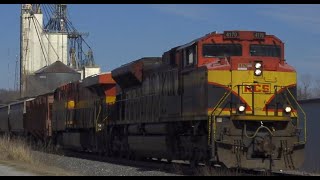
column 264, row 90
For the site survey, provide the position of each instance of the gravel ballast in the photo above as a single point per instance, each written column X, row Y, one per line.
column 84, row 167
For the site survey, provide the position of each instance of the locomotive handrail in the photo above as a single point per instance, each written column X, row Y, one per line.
column 97, row 118
column 223, row 98
column 304, row 115
column 255, row 134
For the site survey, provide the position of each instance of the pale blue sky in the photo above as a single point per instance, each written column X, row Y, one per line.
column 121, row 33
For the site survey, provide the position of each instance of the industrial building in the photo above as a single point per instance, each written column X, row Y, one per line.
column 46, row 42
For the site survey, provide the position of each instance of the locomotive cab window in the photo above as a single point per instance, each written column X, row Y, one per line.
column 222, row 50
column 189, row 56
column 265, row 50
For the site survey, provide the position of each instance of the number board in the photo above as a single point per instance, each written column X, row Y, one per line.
column 259, row 35
column 244, row 66
column 230, row 34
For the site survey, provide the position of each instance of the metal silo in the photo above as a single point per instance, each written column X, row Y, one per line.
column 49, row 78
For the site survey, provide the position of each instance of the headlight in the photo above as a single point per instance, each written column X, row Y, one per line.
column 258, row 65
column 242, row 108
column 257, row 72
column 288, row 109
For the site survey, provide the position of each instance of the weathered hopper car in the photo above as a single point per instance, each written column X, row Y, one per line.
column 17, row 115
column 38, row 117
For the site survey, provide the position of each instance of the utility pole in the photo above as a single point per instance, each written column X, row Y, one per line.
column 8, row 69
column 16, row 75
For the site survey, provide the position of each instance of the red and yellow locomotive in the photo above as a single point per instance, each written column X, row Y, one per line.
column 225, row 98
column 80, row 112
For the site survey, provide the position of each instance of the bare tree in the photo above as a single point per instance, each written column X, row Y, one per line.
column 7, row 96
column 316, row 90
column 305, row 87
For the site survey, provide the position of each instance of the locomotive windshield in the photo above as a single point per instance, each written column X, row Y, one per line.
column 265, row 50
column 212, row 50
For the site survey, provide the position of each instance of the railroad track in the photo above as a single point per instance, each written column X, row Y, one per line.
column 175, row 167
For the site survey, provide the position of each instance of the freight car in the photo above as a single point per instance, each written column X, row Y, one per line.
column 72, row 116
column 225, row 98
column 29, row 117
column 17, row 116
column 38, row 117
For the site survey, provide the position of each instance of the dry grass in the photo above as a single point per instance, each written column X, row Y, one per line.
column 18, row 153
column 15, row 149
